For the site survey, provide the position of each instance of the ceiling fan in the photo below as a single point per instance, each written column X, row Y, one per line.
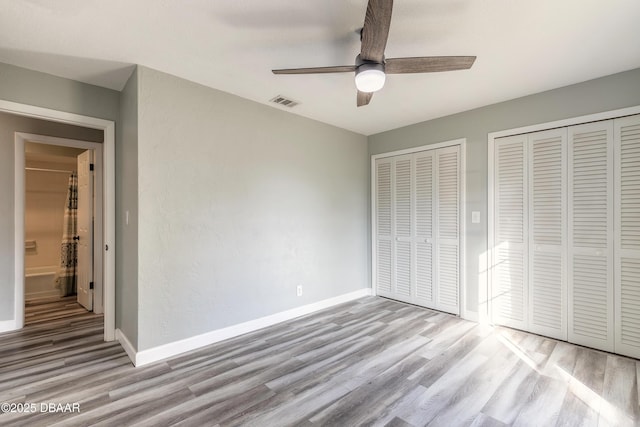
column 371, row 65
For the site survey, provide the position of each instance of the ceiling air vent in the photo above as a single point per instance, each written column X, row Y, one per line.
column 279, row 99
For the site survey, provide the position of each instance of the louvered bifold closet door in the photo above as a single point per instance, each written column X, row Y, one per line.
column 590, row 272
column 383, row 226
column 424, row 227
column 509, row 297
column 547, row 284
column 403, row 228
column 447, row 272
column 627, row 235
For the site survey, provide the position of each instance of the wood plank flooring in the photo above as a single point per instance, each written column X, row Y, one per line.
column 367, row 362
column 44, row 310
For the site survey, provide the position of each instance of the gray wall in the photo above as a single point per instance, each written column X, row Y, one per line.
column 9, row 124
column 44, row 90
column 603, row 94
column 238, row 204
column 127, row 200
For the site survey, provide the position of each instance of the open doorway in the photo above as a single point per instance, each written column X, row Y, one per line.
column 49, row 119
column 59, row 218
column 69, row 275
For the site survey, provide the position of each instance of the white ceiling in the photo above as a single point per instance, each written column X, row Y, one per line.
column 523, row 47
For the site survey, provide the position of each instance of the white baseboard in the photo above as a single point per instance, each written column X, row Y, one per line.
column 126, row 344
column 8, row 325
column 155, row 354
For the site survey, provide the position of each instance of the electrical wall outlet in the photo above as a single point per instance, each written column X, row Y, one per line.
column 299, row 290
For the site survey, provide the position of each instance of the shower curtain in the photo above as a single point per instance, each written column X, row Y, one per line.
column 67, row 278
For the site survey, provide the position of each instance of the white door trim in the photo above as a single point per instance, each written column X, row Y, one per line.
column 426, row 147
column 605, row 115
column 108, row 209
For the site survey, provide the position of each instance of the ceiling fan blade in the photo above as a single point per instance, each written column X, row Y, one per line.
column 376, row 30
column 364, row 98
column 317, row 70
column 427, row 64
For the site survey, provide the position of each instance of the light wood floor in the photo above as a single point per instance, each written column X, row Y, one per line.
column 45, row 310
column 368, row 362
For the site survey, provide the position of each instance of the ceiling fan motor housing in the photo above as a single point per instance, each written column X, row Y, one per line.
column 370, row 75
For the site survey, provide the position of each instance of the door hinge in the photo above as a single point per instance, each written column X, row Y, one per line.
column 90, row 285
column 90, row 166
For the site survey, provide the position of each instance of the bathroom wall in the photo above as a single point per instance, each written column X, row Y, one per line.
column 45, row 198
column 44, row 208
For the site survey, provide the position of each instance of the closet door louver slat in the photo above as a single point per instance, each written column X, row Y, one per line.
column 447, row 238
column 383, row 215
column 509, row 299
column 424, row 195
column 627, row 235
column 590, row 273
column 547, row 201
column 448, row 194
column 403, row 228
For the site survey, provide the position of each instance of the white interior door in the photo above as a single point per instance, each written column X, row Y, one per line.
column 547, row 188
column 509, row 295
column 590, row 272
column 403, row 228
column 85, row 230
column 627, row 235
column 448, row 229
column 383, row 221
column 424, row 228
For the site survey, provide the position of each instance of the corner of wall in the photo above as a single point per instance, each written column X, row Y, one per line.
column 127, row 215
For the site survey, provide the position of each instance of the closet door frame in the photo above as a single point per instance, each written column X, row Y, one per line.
column 464, row 313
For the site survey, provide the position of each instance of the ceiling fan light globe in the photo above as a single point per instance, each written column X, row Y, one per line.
column 369, row 80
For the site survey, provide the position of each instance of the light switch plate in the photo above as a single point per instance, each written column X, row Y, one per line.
column 475, row 217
